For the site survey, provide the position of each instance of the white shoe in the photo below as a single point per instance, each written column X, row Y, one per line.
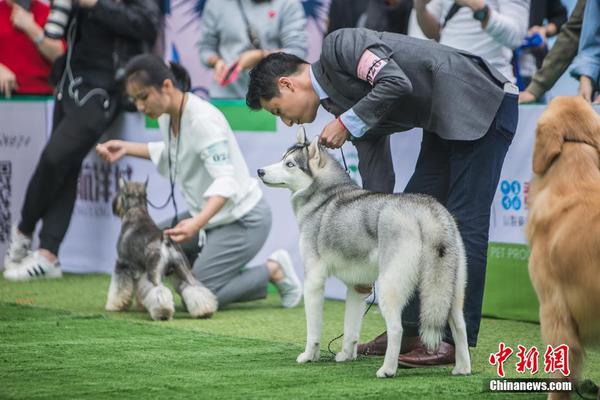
column 34, row 266
column 290, row 288
column 19, row 247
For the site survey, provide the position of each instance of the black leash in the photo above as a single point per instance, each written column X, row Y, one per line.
column 365, row 313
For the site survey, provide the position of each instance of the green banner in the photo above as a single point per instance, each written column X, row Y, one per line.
column 239, row 116
column 508, row 290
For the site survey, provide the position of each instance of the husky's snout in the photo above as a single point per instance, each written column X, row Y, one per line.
column 261, row 172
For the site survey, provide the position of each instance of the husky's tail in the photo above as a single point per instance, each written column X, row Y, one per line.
column 437, row 291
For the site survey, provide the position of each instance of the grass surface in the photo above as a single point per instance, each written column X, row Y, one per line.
column 57, row 342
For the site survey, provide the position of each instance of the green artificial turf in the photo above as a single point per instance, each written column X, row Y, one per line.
column 57, row 342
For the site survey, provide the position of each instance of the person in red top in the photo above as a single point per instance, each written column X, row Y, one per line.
column 26, row 55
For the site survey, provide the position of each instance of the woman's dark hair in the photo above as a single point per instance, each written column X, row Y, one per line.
column 151, row 70
column 263, row 77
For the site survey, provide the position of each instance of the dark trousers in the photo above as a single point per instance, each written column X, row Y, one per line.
column 52, row 190
column 462, row 175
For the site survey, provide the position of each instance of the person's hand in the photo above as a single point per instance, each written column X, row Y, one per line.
column 334, row 135
column 21, row 18
column 541, row 30
column 363, row 289
column 184, row 230
column 8, row 81
column 249, row 58
column 220, row 69
column 472, row 4
column 526, row 97
column 111, row 151
column 586, row 88
column 87, row 3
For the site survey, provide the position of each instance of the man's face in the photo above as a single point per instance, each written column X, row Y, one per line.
column 293, row 104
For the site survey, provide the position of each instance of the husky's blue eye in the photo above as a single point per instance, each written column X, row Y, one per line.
column 290, row 164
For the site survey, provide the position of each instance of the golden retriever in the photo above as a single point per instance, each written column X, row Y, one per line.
column 563, row 227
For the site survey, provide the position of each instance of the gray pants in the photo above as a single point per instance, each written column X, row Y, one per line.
column 220, row 264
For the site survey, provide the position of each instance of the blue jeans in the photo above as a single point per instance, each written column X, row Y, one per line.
column 462, row 175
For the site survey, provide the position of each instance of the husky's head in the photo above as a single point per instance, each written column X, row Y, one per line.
column 299, row 165
column 130, row 195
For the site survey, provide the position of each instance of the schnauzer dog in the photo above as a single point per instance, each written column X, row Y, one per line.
column 145, row 256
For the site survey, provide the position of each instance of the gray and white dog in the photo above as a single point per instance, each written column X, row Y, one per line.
column 405, row 241
column 145, row 256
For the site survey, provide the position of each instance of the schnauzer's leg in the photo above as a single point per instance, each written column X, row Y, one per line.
column 157, row 299
column 199, row 301
column 121, row 288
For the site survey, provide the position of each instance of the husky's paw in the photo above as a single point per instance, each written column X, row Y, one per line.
column 343, row 356
column 385, row 372
column 461, row 370
column 307, row 357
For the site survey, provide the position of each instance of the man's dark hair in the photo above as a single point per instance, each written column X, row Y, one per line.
column 263, row 77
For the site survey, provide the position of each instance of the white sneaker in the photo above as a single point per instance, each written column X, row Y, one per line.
column 18, row 248
column 34, row 266
column 290, row 288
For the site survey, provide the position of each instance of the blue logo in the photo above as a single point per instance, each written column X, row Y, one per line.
column 511, row 192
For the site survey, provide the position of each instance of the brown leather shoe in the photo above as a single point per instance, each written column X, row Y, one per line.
column 420, row 357
column 377, row 346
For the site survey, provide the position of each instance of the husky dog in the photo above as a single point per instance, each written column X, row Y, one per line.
column 408, row 241
column 145, row 256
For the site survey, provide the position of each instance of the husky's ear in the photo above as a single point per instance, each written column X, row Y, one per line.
column 121, row 182
column 315, row 153
column 301, row 135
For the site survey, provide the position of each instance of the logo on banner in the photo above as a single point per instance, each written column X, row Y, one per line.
column 5, row 196
column 98, row 184
column 511, row 192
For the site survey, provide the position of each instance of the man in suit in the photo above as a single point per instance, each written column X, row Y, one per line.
column 377, row 84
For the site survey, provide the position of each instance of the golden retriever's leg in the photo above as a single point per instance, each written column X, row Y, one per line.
column 558, row 327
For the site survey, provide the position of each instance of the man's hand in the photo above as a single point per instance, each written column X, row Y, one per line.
column 8, row 81
column 21, row 18
column 112, row 150
column 87, row 3
column 184, row 230
column 334, row 135
column 586, row 88
column 526, row 97
column 472, row 4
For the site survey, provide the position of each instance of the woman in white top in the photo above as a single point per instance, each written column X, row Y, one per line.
column 200, row 154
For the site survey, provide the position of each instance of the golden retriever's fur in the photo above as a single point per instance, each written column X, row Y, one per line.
column 563, row 227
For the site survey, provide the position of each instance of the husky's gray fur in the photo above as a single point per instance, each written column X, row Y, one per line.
column 405, row 241
column 145, row 256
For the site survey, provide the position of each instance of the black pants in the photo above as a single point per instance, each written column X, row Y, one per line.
column 463, row 176
column 52, row 190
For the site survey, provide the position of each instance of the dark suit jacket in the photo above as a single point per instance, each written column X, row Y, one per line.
column 424, row 84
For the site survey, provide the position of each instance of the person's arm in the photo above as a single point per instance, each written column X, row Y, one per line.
column 587, row 63
column 114, row 150
column 136, row 19
column 187, row 228
column 558, row 59
column 209, row 40
column 508, row 24
column 362, row 55
column 428, row 22
column 556, row 13
column 49, row 48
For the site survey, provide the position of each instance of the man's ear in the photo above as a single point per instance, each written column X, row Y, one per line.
column 315, row 153
column 285, row 82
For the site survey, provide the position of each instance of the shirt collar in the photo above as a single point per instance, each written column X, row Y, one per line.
column 318, row 89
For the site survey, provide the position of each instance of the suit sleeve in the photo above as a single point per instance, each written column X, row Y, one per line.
column 361, row 54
